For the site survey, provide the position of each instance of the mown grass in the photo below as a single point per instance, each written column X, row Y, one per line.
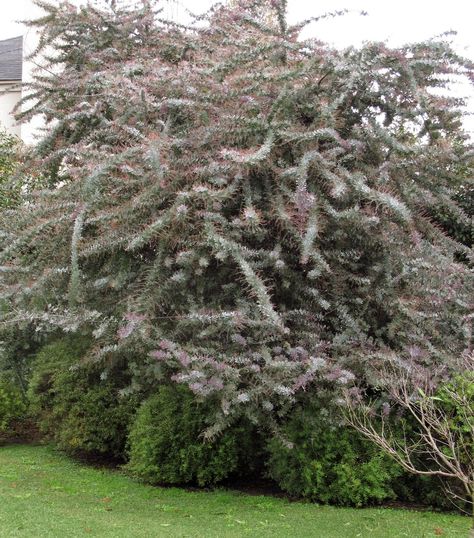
column 44, row 494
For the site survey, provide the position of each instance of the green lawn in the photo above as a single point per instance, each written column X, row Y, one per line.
column 44, row 494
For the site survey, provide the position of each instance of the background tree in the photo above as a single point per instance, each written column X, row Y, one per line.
column 237, row 209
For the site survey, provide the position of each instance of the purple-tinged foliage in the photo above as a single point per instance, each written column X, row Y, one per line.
column 253, row 208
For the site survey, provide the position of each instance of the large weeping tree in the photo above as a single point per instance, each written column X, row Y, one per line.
column 237, row 209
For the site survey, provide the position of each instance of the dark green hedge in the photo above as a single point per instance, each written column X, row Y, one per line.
column 166, row 445
column 329, row 463
column 76, row 404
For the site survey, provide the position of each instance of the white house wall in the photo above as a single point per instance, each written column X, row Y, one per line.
column 8, row 101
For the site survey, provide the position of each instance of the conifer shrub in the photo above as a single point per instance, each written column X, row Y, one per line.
column 322, row 460
column 428, row 491
column 13, row 407
column 166, row 445
column 77, row 405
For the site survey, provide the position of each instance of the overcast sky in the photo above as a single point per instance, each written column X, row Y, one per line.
column 396, row 21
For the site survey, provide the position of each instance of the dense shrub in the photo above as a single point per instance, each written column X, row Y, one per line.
column 166, row 446
column 78, row 405
column 13, row 406
column 426, row 491
column 326, row 462
column 251, row 256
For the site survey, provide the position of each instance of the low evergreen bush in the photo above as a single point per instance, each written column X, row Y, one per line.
column 78, row 405
column 12, row 407
column 325, row 462
column 166, row 445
